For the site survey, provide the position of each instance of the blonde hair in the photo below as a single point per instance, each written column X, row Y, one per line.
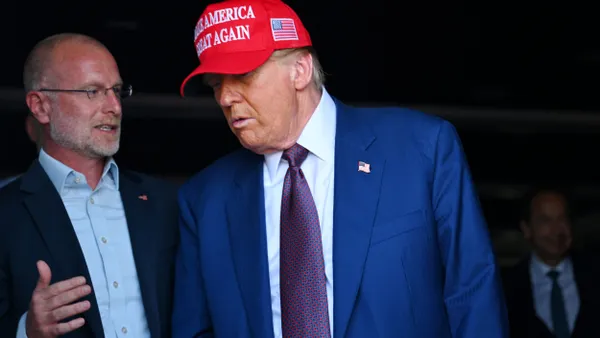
column 318, row 76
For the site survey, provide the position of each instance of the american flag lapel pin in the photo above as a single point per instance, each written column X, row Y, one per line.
column 143, row 197
column 364, row 167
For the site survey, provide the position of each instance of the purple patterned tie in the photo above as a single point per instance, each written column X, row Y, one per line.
column 304, row 311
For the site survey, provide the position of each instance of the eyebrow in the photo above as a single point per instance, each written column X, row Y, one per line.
column 207, row 77
column 99, row 85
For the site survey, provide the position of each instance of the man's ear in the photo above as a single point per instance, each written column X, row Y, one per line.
column 302, row 71
column 526, row 228
column 38, row 106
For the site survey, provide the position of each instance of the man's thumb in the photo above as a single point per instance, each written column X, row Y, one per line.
column 45, row 274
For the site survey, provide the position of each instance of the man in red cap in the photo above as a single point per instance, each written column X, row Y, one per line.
column 333, row 221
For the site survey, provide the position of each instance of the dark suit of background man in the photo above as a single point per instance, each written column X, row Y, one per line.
column 553, row 292
column 333, row 221
column 86, row 248
column 33, row 130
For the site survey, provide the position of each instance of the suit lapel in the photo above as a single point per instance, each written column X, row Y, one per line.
column 139, row 206
column 247, row 233
column 537, row 327
column 356, row 197
column 588, row 306
column 53, row 223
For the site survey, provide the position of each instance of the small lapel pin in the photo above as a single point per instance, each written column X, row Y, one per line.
column 364, row 167
column 143, row 197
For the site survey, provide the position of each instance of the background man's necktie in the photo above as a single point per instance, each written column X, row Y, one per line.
column 304, row 311
column 557, row 305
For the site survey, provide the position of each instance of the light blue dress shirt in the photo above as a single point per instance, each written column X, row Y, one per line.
column 98, row 218
column 542, row 290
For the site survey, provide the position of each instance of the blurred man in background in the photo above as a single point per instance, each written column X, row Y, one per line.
column 34, row 130
column 553, row 292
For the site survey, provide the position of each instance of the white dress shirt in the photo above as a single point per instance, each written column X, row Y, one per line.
column 541, row 285
column 318, row 137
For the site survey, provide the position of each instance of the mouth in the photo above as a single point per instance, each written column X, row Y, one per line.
column 240, row 122
column 107, row 128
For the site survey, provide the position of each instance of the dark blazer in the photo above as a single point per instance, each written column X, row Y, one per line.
column 524, row 322
column 411, row 250
column 34, row 225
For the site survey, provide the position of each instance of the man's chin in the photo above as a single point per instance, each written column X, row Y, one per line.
column 557, row 254
column 249, row 142
column 101, row 152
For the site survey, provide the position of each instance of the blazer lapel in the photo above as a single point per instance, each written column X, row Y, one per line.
column 588, row 297
column 53, row 223
column 356, row 197
column 247, row 233
column 535, row 325
column 138, row 206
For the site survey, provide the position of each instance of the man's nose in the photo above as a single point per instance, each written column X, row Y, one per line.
column 227, row 92
column 113, row 102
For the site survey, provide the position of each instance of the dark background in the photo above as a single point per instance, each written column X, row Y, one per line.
column 533, row 54
column 518, row 79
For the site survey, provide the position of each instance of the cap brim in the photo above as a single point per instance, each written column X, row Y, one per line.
column 232, row 63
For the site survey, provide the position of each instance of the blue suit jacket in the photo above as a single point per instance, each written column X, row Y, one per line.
column 34, row 225
column 411, row 251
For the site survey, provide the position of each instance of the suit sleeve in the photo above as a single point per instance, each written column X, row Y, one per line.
column 472, row 287
column 190, row 313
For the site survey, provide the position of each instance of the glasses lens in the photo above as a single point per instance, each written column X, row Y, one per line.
column 126, row 91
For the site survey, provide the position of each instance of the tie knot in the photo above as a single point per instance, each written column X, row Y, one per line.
column 295, row 155
column 553, row 274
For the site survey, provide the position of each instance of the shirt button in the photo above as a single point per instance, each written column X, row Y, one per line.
column 77, row 180
column 92, row 200
column 115, row 284
column 104, row 240
column 124, row 329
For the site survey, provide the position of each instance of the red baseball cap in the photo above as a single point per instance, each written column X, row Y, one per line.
column 237, row 36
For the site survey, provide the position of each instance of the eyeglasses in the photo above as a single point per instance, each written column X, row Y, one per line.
column 121, row 91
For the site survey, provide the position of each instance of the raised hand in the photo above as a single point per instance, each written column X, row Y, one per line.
column 50, row 304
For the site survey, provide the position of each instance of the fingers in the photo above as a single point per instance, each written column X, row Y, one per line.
column 64, row 328
column 47, row 290
column 45, row 275
column 68, row 311
column 68, row 297
column 51, row 304
column 63, row 286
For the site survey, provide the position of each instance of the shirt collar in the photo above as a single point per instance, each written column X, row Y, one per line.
column 60, row 174
column 318, row 136
column 541, row 269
